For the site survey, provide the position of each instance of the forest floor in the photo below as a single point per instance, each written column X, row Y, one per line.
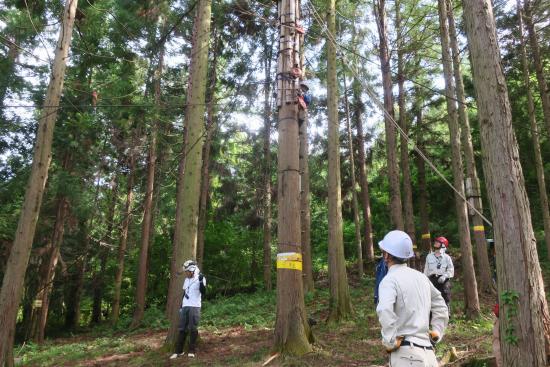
column 237, row 331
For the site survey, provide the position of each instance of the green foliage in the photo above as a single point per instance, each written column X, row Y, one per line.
column 509, row 300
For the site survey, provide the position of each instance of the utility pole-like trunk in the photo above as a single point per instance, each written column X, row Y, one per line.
column 292, row 332
column 368, row 243
column 14, row 276
column 539, row 165
column 408, row 212
column 473, row 192
column 471, row 298
column 524, row 317
column 396, row 210
column 340, row 301
column 537, row 61
column 127, row 217
column 185, row 247
column 353, row 186
column 147, row 224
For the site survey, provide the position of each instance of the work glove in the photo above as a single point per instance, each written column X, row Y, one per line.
column 201, row 277
column 396, row 346
column 441, row 279
column 434, row 337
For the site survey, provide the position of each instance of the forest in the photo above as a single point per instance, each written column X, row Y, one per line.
column 274, row 144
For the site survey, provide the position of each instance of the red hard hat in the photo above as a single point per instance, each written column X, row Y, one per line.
column 443, row 241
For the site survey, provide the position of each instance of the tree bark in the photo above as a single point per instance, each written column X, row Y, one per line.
column 471, row 299
column 396, row 210
column 368, row 243
column 539, row 165
column 340, row 301
column 292, row 332
column 473, row 191
column 127, row 214
column 185, row 247
column 305, row 209
column 408, row 212
column 12, row 284
column 537, row 61
column 353, row 187
column 524, row 311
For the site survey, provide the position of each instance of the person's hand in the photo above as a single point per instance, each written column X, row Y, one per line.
column 201, row 277
column 441, row 279
column 396, row 346
column 434, row 337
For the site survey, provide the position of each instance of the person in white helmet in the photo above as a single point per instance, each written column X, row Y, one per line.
column 194, row 287
column 406, row 299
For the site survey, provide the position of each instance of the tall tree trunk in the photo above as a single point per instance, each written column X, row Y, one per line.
column 471, row 299
column 340, row 301
column 537, row 60
column 292, row 332
column 356, row 221
column 211, row 116
column 12, row 284
column 396, row 210
column 472, row 187
column 421, row 176
column 368, row 243
column 76, row 286
column 524, row 311
column 539, row 165
column 98, row 280
column 408, row 212
column 127, row 214
column 185, row 247
column 46, row 283
column 147, row 224
column 268, row 47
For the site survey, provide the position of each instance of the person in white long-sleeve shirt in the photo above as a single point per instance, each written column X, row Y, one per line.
column 194, row 287
column 406, row 299
column 440, row 270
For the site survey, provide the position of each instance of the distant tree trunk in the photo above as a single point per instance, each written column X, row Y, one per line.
column 471, row 299
column 76, row 285
column 47, row 278
column 211, row 116
column 267, row 263
column 98, row 280
column 539, row 165
column 408, row 212
column 396, row 210
column 368, row 246
column 537, row 61
column 127, row 214
column 421, row 176
column 185, row 247
column 472, row 188
column 147, row 224
column 524, row 310
column 14, row 276
column 356, row 221
column 340, row 301
column 292, row 333
column 305, row 210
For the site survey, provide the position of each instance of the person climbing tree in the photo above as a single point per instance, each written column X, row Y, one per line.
column 439, row 269
column 194, row 287
column 405, row 325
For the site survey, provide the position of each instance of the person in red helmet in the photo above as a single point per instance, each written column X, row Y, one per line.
column 439, row 269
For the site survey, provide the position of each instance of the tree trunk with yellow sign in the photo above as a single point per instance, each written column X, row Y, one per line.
column 292, row 332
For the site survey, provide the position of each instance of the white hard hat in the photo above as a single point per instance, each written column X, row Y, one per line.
column 191, row 268
column 189, row 265
column 397, row 243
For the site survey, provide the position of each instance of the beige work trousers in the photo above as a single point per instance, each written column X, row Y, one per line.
column 409, row 356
